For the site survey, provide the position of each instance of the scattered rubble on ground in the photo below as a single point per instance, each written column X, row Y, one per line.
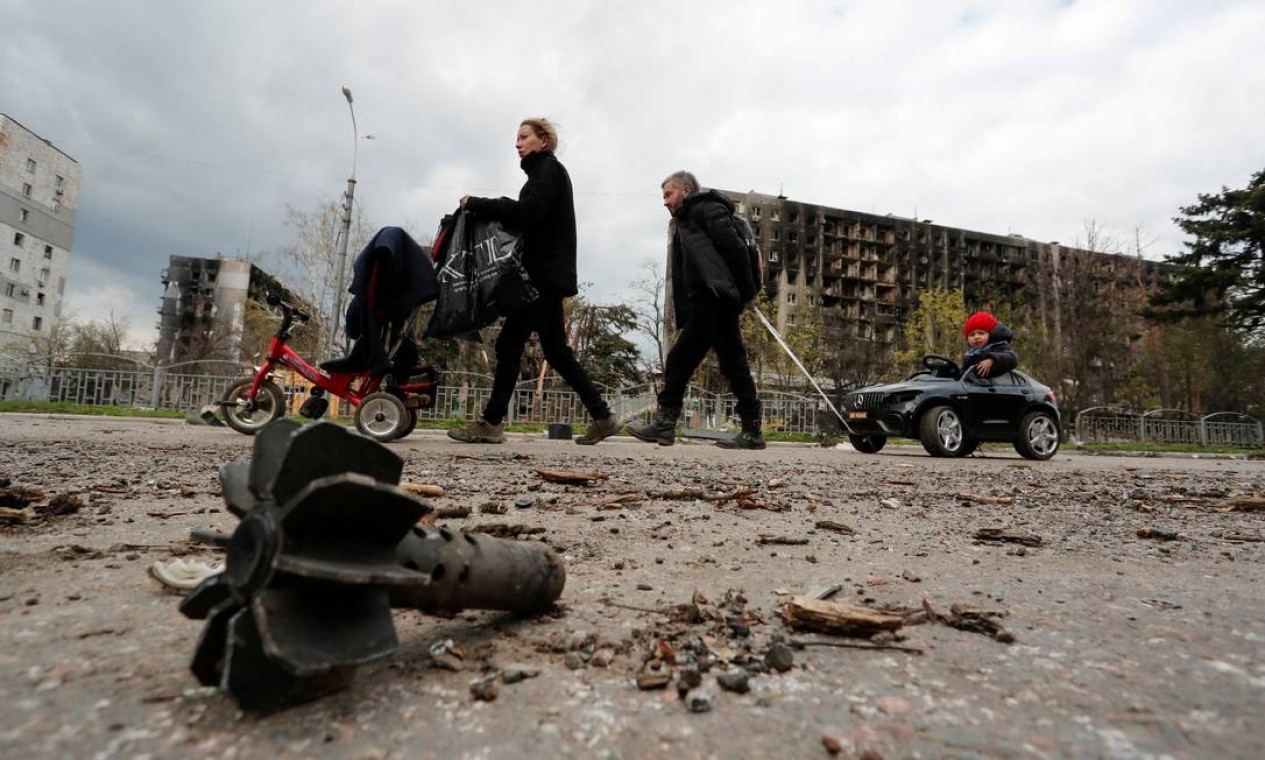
column 703, row 592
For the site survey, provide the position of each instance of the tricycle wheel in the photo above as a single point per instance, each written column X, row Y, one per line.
column 383, row 417
column 412, row 423
column 247, row 415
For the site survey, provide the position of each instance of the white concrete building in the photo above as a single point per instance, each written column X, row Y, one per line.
column 39, row 195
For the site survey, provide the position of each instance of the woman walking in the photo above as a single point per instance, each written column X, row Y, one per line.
column 545, row 215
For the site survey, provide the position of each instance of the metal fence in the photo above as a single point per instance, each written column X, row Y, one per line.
column 162, row 387
column 701, row 409
column 463, row 398
column 165, row 387
column 1114, row 425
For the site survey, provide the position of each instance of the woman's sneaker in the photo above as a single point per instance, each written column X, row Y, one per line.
column 479, row 431
column 598, row 430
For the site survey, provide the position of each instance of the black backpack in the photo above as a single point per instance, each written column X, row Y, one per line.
column 753, row 250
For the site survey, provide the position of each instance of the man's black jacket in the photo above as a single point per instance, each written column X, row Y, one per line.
column 545, row 213
column 708, row 254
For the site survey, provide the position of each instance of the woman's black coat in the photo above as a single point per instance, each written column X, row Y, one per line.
column 545, row 214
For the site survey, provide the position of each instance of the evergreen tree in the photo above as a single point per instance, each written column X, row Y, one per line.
column 1221, row 274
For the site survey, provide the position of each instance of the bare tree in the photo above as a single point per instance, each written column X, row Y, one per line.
column 1084, row 345
column 312, row 262
column 649, row 311
column 43, row 350
column 93, row 343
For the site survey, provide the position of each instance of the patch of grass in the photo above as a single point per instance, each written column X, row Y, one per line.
column 775, row 435
column 63, row 407
column 1171, row 448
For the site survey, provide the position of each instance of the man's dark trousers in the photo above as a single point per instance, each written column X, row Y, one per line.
column 712, row 324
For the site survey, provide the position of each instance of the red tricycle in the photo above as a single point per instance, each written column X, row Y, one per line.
column 386, row 402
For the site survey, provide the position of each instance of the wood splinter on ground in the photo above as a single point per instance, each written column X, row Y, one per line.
column 984, row 498
column 619, row 502
column 837, row 527
column 568, row 476
column 777, row 538
column 8, row 514
column 423, row 489
column 965, row 617
column 806, row 613
column 1245, row 504
column 1006, row 536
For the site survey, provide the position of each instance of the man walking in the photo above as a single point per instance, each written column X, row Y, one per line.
column 712, row 277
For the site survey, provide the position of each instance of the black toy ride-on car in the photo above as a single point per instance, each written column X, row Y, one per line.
column 953, row 411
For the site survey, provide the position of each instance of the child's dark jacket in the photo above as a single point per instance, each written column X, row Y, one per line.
column 998, row 349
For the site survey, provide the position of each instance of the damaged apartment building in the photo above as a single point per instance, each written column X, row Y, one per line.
column 204, row 308
column 864, row 271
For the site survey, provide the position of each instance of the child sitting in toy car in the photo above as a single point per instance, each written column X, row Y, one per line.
column 989, row 345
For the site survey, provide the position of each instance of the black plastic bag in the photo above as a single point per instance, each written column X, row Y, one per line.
column 481, row 277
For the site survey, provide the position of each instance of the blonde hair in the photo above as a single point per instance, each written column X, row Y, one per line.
column 544, row 129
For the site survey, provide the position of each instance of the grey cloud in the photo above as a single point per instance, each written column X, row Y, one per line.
column 197, row 123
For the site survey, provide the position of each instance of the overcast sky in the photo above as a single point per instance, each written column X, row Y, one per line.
column 196, row 123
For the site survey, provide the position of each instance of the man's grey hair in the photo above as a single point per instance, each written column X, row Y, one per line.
column 683, row 180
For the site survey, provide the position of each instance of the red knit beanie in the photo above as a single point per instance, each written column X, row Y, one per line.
column 980, row 320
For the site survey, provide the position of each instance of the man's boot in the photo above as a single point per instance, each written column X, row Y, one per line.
column 660, row 430
column 749, row 438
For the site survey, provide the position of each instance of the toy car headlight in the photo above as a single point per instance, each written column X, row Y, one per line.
column 902, row 398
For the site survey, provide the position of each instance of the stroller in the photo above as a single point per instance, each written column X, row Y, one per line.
column 383, row 376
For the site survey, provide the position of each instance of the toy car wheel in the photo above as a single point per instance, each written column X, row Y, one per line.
column 1038, row 436
column 868, row 444
column 942, row 433
column 382, row 416
column 247, row 416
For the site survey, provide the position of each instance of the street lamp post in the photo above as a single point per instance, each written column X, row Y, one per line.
column 348, row 197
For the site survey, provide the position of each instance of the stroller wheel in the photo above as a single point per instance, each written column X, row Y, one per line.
column 383, row 417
